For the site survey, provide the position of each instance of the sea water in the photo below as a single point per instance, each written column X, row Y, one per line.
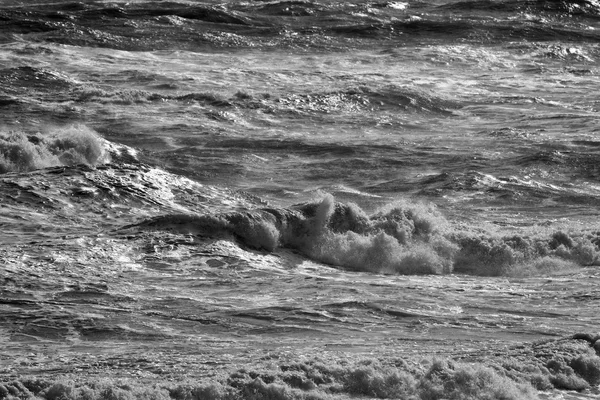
column 210, row 182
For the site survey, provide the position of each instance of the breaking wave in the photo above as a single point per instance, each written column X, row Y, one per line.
column 401, row 238
column 76, row 144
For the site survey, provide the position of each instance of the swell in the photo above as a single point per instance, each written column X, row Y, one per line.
column 488, row 30
column 511, row 191
column 94, row 13
column 352, row 100
column 389, row 97
column 169, row 25
column 583, row 8
column 206, row 14
column 27, row 82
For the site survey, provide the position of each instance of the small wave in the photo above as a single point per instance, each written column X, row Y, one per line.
column 482, row 5
column 126, row 96
column 366, row 98
column 563, row 52
column 572, row 7
column 23, row 23
column 325, row 102
column 401, row 238
column 206, row 14
column 27, row 77
column 410, row 98
column 369, row 30
column 299, row 24
column 337, row 188
column 290, row 8
column 589, row 8
column 541, row 184
column 396, row 5
column 132, row 96
column 70, row 145
column 583, row 163
column 472, row 30
column 469, row 181
column 208, row 98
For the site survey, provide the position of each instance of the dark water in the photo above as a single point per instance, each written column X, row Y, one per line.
column 149, row 146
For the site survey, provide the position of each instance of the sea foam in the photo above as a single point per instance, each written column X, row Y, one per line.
column 70, row 145
column 401, row 238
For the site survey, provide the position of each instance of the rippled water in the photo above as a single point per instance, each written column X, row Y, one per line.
column 213, row 183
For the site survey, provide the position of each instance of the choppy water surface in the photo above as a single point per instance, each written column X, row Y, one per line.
column 188, row 188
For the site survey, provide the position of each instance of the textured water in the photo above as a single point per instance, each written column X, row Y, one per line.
column 191, row 187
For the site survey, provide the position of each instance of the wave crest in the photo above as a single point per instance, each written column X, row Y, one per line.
column 401, row 238
column 76, row 144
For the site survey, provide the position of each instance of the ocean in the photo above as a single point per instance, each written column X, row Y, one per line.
column 299, row 199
